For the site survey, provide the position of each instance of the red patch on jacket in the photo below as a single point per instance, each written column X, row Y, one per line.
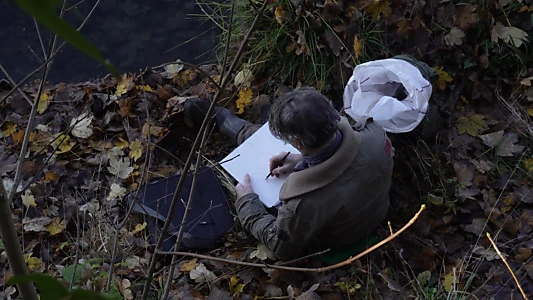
column 388, row 147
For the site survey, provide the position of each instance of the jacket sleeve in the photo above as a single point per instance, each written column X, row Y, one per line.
column 287, row 235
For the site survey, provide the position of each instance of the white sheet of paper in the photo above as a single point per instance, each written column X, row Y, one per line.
column 253, row 159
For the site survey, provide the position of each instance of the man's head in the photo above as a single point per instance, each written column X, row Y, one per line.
column 304, row 118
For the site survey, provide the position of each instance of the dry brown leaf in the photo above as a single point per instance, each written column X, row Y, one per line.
column 56, row 226
column 505, row 144
column 454, row 37
column 466, row 16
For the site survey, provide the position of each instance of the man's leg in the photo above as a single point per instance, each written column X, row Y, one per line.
column 230, row 125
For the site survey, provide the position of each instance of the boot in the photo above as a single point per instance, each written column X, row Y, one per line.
column 226, row 121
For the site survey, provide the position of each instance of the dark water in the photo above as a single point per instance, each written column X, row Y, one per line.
column 133, row 34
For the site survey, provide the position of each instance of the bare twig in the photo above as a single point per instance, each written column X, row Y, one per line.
column 296, row 269
column 14, row 84
column 507, row 265
column 12, row 246
column 188, row 208
column 188, row 162
column 40, row 38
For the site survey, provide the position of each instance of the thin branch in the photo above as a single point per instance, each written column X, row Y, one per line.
column 188, row 208
column 507, row 265
column 12, row 246
column 14, row 84
column 40, row 38
column 188, row 162
column 296, row 269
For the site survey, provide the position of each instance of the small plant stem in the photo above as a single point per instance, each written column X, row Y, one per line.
column 12, row 247
column 296, row 269
column 14, row 84
column 188, row 162
column 507, row 265
column 77, row 256
column 188, row 208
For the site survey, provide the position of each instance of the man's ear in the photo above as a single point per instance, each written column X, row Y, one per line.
column 297, row 144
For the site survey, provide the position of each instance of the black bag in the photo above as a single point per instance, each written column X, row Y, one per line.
column 209, row 220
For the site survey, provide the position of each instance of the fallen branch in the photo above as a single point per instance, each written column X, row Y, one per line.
column 507, row 265
column 296, row 269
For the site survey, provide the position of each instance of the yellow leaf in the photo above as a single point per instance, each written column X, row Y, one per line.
column 448, row 282
column 9, row 128
column 378, row 8
column 146, row 88
column 528, row 164
column 473, row 125
column 33, row 263
column 56, row 226
column 44, row 102
column 63, row 144
column 125, row 84
column 245, row 99
column 357, row 47
column 189, row 266
column 530, row 111
column 18, row 136
column 28, row 199
column 122, row 143
column 135, row 150
column 234, row 285
column 50, row 176
column 444, row 77
column 139, row 228
column 280, row 15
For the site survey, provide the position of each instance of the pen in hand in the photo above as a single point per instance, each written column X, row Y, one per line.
column 280, row 163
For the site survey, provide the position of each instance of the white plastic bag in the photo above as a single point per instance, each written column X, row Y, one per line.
column 371, row 89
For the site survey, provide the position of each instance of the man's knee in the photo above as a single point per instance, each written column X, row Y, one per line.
column 247, row 131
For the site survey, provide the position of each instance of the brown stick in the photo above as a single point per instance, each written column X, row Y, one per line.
column 507, row 265
column 296, row 269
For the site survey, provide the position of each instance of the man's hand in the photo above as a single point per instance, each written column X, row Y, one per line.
column 245, row 188
column 277, row 168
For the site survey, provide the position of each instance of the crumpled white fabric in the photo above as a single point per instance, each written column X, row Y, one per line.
column 370, row 93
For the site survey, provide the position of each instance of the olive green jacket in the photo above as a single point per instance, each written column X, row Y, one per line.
column 329, row 205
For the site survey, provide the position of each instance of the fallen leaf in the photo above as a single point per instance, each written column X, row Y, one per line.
column 145, row 88
column 120, row 167
column 50, row 176
column 443, row 77
column 62, row 144
column 173, row 69
column 454, row 37
column 357, row 47
column 449, row 279
column 524, row 255
column 8, row 162
column 122, row 143
column 189, row 265
column 82, row 126
column 217, row 294
column 464, row 172
column 482, row 166
column 528, row 165
column 262, row 252
column 530, row 111
column 201, row 274
column 488, row 254
column 510, row 35
column 28, row 199
column 523, row 194
column 472, row 125
column 36, row 224
column 135, row 150
column 466, row 16
column 244, row 77
column 280, row 15
column 125, row 84
column 332, row 41
column 245, row 99
column 477, row 227
column 423, row 278
column 310, row 294
column 505, row 144
column 56, row 226
column 44, row 102
column 18, row 136
column 8, row 128
column 117, row 192
column 139, row 228
column 378, row 8
column 272, row 291
column 33, row 263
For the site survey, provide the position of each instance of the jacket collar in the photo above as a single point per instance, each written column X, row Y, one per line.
column 314, row 178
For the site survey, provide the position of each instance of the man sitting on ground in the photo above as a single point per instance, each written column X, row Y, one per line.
column 337, row 189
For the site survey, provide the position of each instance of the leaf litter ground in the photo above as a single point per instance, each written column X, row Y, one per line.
column 93, row 140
